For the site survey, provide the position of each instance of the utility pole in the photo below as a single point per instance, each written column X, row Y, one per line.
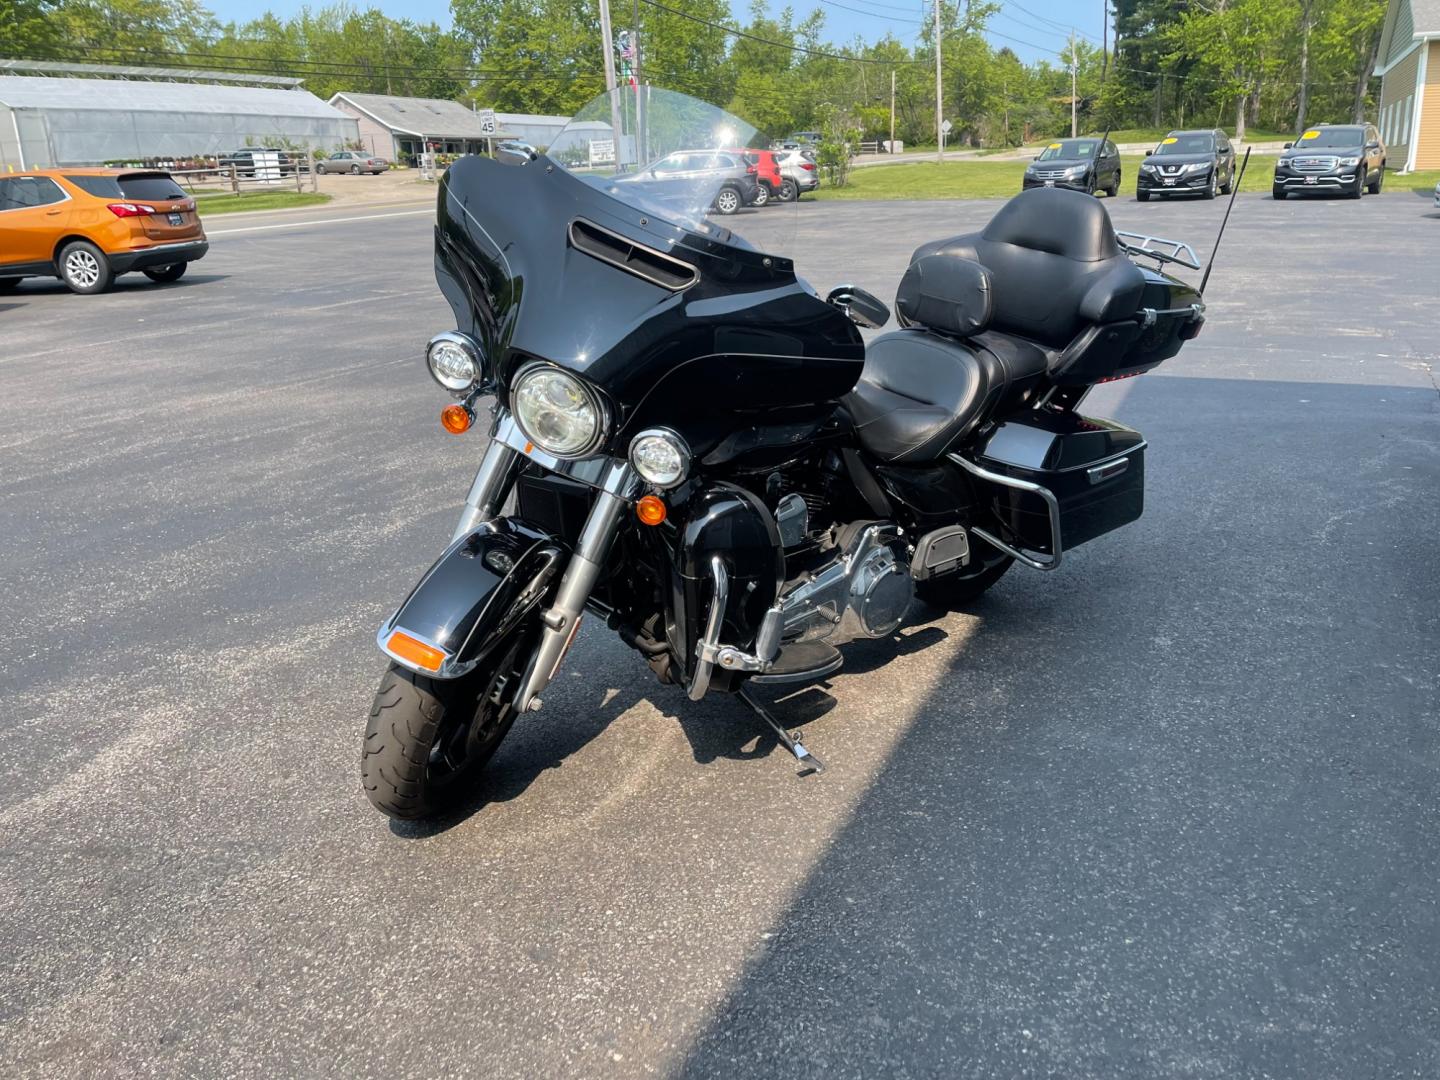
column 1073, row 132
column 642, row 151
column 939, row 106
column 892, row 110
column 607, row 52
column 1104, row 40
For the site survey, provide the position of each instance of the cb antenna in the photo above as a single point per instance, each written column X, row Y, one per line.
column 1234, row 190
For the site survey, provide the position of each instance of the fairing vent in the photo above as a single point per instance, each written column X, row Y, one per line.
column 658, row 269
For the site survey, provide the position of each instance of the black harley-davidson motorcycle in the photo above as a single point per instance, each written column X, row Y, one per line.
column 690, row 444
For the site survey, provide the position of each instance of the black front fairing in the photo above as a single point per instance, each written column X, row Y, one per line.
column 744, row 342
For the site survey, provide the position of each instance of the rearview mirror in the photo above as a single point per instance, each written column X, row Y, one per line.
column 1288, row 145
column 865, row 309
column 1372, row 146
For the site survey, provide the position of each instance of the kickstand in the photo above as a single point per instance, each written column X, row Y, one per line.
column 809, row 762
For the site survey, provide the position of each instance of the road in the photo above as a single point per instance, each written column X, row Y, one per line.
column 1169, row 811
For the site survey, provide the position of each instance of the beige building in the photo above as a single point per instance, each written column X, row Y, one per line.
column 1409, row 70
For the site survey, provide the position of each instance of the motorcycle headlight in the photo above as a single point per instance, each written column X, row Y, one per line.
column 1349, row 162
column 660, row 457
column 557, row 412
column 454, row 361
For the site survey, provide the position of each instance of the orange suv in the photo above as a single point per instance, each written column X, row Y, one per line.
column 85, row 226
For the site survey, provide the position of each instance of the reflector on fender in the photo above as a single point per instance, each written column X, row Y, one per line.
column 414, row 651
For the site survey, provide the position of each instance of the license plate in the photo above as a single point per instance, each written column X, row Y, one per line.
column 1049, row 183
column 1169, row 183
column 175, row 219
column 1310, row 180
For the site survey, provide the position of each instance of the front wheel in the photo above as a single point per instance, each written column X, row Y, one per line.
column 1278, row 193
column 728, row 201
column 354, row 170
column 1114, row 189
column 1142, row 196
column 1359, row 188
column 1378, row 180
column 173, row 272
column 1213, row 188
column 427, row 739
column 762, row 195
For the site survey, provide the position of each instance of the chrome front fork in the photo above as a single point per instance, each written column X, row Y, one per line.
column 618, row 484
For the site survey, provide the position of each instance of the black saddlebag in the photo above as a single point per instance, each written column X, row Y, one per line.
column 1095, row 469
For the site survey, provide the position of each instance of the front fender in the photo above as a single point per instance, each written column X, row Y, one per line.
column 480, row 589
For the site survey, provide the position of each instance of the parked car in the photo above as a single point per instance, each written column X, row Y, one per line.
column 767, row 172
column 1348, row 158
column 798, row 173
column 682, row 172
column 1188, row 163
column 1077, row 164
column 1437, row 196
column 87, row 226
column 515, row 146
column 352, row 161
column 799, row 140
column 244, row 160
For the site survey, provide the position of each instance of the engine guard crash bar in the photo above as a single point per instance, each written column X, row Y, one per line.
column 709, row 651
column 1052, row 504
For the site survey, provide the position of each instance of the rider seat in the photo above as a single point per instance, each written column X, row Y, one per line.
column 988, row 315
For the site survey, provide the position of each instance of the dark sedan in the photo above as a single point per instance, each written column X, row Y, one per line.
column 1188, row 163
column 1074, row 164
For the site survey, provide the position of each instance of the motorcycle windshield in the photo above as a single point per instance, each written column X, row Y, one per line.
column 666, row 154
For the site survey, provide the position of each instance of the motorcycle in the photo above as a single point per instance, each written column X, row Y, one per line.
column 690, row 444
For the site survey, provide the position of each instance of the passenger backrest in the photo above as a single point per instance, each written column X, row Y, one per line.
column 1055, row 265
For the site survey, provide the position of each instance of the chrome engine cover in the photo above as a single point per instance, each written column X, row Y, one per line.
column 864, row 593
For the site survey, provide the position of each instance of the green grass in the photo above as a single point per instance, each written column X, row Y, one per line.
column 209, row 205
column 1001, row 179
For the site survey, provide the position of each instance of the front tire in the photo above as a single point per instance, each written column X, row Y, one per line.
column 728, row 201
column 1114, row 189
column 1213, row 188
column 1142, row 196
column 762, row 195
column 1278, row 193
column 173, row 272
column 1379, row 181
column 84, row 268
column 428, row 739
column 354, row 170
column 1359, row 189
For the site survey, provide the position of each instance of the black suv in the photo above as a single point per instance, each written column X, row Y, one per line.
column 1348, row 158
column 244, row 160
column 1074, row 164
column 1188, row 162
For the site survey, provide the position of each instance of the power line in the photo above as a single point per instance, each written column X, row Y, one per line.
column 776, row 44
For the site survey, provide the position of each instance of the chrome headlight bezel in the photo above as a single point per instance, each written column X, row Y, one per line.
column 592, row 397
column 674, row 442
column 455, row 383
column 1347, row 162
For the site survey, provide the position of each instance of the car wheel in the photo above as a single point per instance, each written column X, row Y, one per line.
column 1378, row 181
column 1114, row 189
column 1229, row 184
column 1213, row 188
column 1359, row 188
column 173, row 272
column 762, row 195
column 84, row 268
column 1142, row 196
column 728, row 201
column 354, row 170
column 789, row 191
column 9, row 284
column 1278, row 193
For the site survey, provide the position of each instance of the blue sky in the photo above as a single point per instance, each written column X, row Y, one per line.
column 1030, row 28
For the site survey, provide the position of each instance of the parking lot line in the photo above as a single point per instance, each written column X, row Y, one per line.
column 320, row 221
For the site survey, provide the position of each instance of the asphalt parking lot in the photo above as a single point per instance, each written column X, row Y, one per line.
column 1169, row 811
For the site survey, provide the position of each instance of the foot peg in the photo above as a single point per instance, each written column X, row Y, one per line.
column 809, row 763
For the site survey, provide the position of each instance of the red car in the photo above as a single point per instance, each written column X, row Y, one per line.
column 762, row 165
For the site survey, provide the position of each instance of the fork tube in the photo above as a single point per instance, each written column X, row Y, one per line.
column 487, row 493
column 562, row 619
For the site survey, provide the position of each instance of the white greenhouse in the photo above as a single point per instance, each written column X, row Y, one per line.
column 58, row 121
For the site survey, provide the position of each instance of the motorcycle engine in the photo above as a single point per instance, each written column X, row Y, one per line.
column 863, row 592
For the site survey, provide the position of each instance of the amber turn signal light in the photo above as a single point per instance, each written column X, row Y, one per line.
column 415, row 651
column 650, row 509
column 456, row 419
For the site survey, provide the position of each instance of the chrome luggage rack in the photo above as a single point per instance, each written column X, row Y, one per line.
column 1180, row 252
